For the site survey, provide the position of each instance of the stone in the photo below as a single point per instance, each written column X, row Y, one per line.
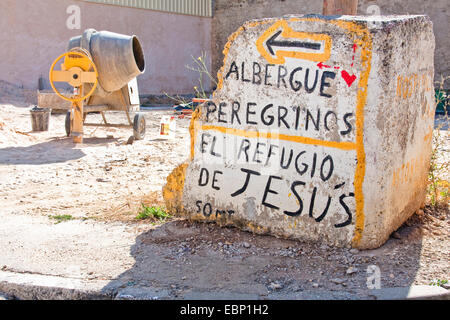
column 142, row 293
column 396, row 235
column 320, row 129
column 275, row 286
column 246, row 245
column 446, row 286
column 337, row 281
column 351, row 270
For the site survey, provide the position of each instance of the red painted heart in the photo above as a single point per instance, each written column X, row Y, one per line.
column 348, row 78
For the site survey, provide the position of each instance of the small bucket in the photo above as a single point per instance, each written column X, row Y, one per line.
column 40, row 118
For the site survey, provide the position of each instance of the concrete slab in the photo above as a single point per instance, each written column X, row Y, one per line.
column 199, row 295
column 43, row 287
column 39, row 287
column 74, row 249
column 419, row 292
column 142, row 293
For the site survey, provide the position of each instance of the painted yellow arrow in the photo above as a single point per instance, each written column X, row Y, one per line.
column 279, row 41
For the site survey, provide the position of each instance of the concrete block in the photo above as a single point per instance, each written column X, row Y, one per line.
column 320, row 129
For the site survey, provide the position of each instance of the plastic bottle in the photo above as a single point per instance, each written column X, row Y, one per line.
column 168, row 127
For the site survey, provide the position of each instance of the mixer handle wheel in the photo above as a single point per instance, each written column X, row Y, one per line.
column 77, row 73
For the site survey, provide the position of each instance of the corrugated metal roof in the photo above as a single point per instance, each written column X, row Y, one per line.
column 201, row 8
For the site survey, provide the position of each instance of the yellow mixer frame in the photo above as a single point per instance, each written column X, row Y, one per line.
column 78, row 70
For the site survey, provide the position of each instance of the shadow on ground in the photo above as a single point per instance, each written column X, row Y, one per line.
column 187, row 260
column 441, row 122
column 56, row 150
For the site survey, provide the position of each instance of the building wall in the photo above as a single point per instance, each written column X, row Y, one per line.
column 439, row 13
column 34, row 33
column 193, row 7
column 229, row 15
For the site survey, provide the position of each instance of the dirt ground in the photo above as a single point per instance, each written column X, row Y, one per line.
column 106, row 179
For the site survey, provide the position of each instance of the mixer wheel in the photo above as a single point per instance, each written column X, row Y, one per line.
column 139, row 126
column 68, row 123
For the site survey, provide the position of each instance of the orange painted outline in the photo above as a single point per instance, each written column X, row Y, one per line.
column 363, row 39
column 192, row 129
column 287, row 32
column 278, row 136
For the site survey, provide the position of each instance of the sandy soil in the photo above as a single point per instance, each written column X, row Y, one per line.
column 45, row 173
column 105, row 178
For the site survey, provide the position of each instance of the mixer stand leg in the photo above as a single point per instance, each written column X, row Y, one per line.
column 77, row 129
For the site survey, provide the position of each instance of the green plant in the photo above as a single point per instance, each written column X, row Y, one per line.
column 202, row 69
column 438, row 282
column 438, row 187
column 177, row 98
column 153, row 212
column 61, row 218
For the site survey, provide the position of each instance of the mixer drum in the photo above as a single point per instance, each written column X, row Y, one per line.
column 119, row 58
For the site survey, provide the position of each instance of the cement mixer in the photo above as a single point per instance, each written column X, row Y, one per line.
column 102, row 67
